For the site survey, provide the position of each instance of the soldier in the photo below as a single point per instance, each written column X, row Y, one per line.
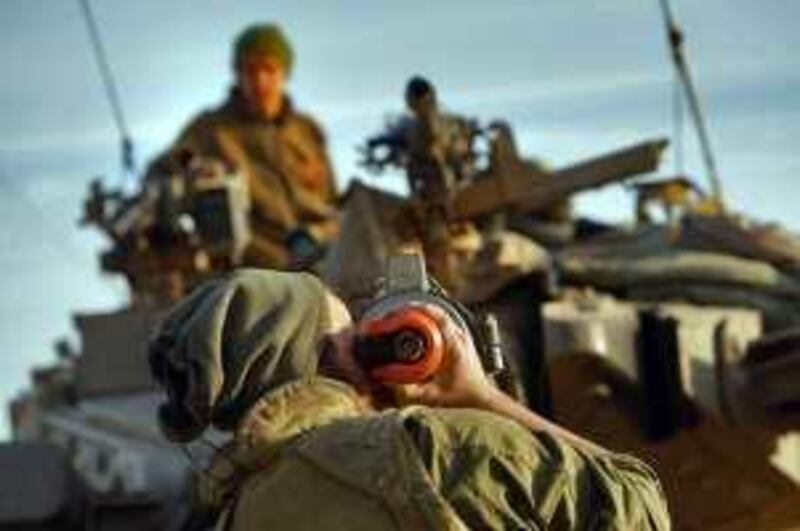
column 436, row 150
column 436, row 147
column 269, row 356
column 281, row 151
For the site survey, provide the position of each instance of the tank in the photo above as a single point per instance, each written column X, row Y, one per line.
column 675, row 340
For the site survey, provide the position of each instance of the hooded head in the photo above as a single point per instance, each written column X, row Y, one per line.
column 234, row 339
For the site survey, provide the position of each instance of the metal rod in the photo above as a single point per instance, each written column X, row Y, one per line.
column 675, row 39
column 107, row 76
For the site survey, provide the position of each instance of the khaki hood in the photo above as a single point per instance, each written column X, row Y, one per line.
column 232, row 340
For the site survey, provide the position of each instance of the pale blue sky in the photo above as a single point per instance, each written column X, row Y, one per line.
column 574, row 77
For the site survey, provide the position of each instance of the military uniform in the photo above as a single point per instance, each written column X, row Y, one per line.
column 288, row 172
column 308, row 457
column 242, row 352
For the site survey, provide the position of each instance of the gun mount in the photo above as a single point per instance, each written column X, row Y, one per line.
column 180, row 227
column 453, row 187
column 437, row 152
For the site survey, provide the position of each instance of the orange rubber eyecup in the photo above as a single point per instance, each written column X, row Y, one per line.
column 416, row 342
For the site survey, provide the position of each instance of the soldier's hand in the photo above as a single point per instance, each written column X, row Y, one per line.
column 460, row 380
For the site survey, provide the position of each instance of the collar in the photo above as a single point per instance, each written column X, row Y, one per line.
column 298, row 406
column 277, row 418
column 237, row 104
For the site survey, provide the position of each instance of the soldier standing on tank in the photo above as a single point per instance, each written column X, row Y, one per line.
column 437, row 146
column 280, row 150
column 436, row 149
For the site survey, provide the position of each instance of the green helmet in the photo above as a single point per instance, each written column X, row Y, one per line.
column 264, row 39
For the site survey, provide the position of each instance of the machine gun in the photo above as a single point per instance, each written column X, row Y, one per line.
column 401, row 142
column 436, row 149
column 178, row 228
column 454, row 187
column 387, row 149
column 437, row 152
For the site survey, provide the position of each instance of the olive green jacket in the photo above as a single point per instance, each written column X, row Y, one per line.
column 309, row 456
column 289, row 175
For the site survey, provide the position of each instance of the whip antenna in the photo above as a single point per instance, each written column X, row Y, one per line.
column 110, row 86
column 675, row 39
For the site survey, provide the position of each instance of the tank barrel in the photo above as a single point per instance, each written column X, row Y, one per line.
column 521, row 186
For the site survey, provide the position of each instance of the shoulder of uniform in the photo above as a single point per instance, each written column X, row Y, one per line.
column 201, row 121
column 194, row 131
column 229, row 109
column 480, row 430
column 219, row 113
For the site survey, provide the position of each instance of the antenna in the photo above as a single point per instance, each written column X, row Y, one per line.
column 109, row 84
column 675, row 39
